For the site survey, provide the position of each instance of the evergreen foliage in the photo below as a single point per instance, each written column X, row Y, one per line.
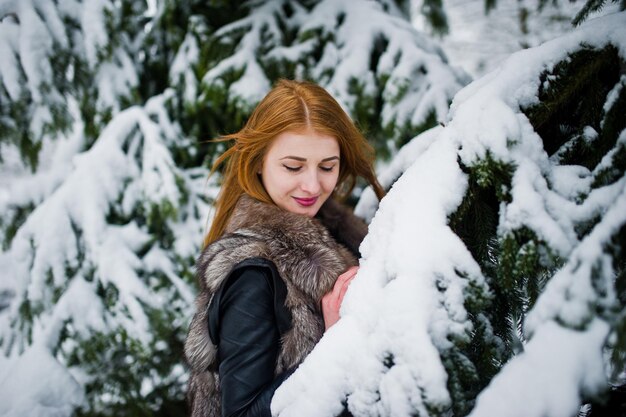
column 517, row 262
column 103, row 170
column 435, row 14
column 592, row 6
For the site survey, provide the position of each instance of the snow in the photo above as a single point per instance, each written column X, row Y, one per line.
column 20, row 187
column 34, row 44
column 115, row 79
column 41, row 373
column 501, row 93
column 54, row 22
column 368, row 203
column 547, row 379
column 419, row 79
column 569, row 295
column 479, row 43
column 559, row 364
column 406, row 306
column 81, row 201
column 9, row 32
column 614, row 94
column 253, row 84
column 182, row 67
column 94, row 30
column 570, row 181
column 32, row 32
column 407, row 299
column 82, row 214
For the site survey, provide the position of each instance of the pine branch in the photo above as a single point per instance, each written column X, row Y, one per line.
column 590, row 7
column 436, row 15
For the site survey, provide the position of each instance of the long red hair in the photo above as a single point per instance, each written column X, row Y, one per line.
column 293, row 106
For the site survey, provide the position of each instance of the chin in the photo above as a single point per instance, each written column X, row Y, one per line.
column 309, row 212
column 305, row 211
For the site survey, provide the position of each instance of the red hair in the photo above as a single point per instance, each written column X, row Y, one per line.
column 294, row 106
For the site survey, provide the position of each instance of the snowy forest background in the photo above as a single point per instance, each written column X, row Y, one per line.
column 492, row 281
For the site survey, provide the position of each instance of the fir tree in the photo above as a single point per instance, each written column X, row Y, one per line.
column 99, row 224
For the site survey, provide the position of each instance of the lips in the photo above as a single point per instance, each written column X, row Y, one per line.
column 306, row 202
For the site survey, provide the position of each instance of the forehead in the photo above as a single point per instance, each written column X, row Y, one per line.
column 309, row 145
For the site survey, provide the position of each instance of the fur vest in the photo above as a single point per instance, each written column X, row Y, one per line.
column 308, row 259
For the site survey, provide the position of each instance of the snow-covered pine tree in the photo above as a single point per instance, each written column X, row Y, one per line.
column 493, row 277
column 104, row 109
column 99, row 224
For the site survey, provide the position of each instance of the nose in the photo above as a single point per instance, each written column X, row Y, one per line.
column 310, row 183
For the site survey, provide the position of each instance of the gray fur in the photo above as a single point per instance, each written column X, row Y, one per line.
column 308, row 260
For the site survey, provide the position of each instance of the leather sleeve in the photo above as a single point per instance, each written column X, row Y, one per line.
column 249, row 341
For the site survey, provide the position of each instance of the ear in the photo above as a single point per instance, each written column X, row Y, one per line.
column 259, row 167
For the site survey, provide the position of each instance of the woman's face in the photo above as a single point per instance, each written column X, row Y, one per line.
column 300, row 171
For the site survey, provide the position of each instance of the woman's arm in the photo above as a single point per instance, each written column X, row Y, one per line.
column 249, row 341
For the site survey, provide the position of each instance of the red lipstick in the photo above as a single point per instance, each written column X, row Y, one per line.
column 306, row 202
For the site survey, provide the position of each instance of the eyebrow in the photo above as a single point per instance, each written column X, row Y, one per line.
column 298, row 158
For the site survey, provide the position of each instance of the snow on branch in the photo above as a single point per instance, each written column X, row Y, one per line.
column 33, row 32
column 97, row 255
column 49, row 51
column 260, row 30
column 418, row 80
column 128, row 166
column 570, row 361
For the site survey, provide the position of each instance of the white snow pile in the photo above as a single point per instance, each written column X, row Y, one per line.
column 39, row 386
column 396, row 308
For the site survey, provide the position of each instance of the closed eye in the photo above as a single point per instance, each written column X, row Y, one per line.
column 292, row 169
column 327, row 169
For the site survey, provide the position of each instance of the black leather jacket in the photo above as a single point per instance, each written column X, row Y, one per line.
column 247, row 317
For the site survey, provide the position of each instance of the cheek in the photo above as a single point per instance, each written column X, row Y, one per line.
column 278, row 182
column 268, row 181
column 331, row 182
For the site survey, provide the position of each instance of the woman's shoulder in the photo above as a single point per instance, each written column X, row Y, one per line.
column 251, row 273
column 255, row 262
column 227, row 255
column 253, row 279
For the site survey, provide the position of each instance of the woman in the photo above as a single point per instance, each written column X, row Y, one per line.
column 280, row 252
